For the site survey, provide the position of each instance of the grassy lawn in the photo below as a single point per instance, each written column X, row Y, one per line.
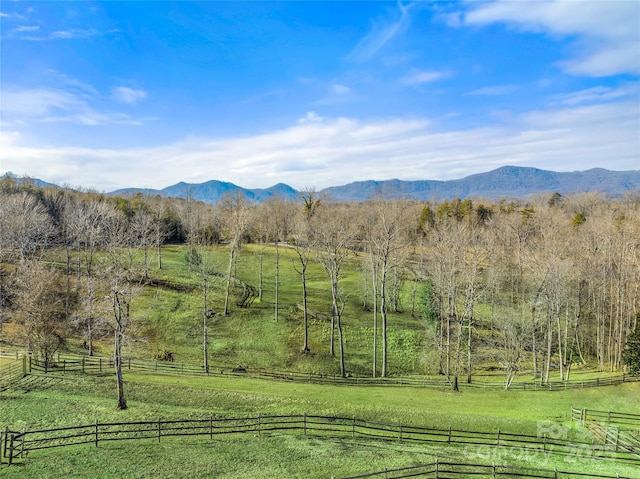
column 67, row 400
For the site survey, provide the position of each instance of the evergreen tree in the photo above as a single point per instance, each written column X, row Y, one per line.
column 631, row 354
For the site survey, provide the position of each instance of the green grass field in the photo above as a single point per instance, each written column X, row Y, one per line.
column 71, row 399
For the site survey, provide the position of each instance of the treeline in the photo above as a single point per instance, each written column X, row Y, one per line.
column 543, row 284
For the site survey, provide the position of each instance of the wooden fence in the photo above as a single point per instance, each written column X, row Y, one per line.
column 439, row 469
column 620, row 429
column 623, row 419
column 11, row 373
column 15, row 444
column 93, row 365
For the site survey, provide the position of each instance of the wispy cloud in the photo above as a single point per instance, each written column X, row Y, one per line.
column 340, row 150
column 25, row 28
column 496, row 90
column 339, row 89
column 20, row 105
column 73, row 33
column 127, row 95
column 599, row 94
column 28, row 34
column 382, row 32
column 336, row 93
column 604, row 35
column 418, row 77
column 310, row 117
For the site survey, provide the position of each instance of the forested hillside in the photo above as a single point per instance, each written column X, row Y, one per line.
column 379, row 287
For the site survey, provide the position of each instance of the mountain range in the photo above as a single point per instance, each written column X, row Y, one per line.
column 505, row 182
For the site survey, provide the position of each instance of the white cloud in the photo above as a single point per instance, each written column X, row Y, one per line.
column 604, row 36
column 310, row 117
column 341, row 150
column 599, row 94
column 25, row 28
column 48, row 105
column 340, row 89
column 381, row 33
column 418, row 77
column 497, row 90
column 127, row 95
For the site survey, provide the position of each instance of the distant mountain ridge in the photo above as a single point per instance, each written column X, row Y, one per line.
column 504, row 182
column 212, row 191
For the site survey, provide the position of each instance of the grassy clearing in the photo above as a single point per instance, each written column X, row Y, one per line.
column 85, row 399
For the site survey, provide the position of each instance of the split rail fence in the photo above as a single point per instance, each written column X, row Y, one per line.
column 16, row 445
column 441, row 470
column 11, row 373
column 619, row 429
column 96, row 365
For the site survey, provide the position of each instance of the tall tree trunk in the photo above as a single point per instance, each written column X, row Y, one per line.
column 117, row 359
column 334, row 313
column 469, row 352
column 205, row 325
column 374, row 274
column 277, row 279
column 305, row 316
column 159, row 251
column 383, row 316
column 560, row 350
column 343, row 371
column 261, row 272
column 232, row 257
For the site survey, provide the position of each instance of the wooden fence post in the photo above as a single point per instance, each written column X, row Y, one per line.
column 96, row 433
column 436, row 463
column 304, row 423
column 449, row 438
column 259, row 424
column 6, row 441
column 24, row 435
column 498, row 441
column 158, row 429
column 353, row 428
column 400, row 431
column 11, row 450
column 494, row 470
column 210, row 426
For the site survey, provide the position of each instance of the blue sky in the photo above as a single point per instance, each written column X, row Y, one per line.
column 106, row 95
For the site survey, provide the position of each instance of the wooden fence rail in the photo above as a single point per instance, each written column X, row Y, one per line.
column 620, row 429
column 16, row 444
column 10, row 373
column 438, row 470
column 627, row 420
column 95, row 365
